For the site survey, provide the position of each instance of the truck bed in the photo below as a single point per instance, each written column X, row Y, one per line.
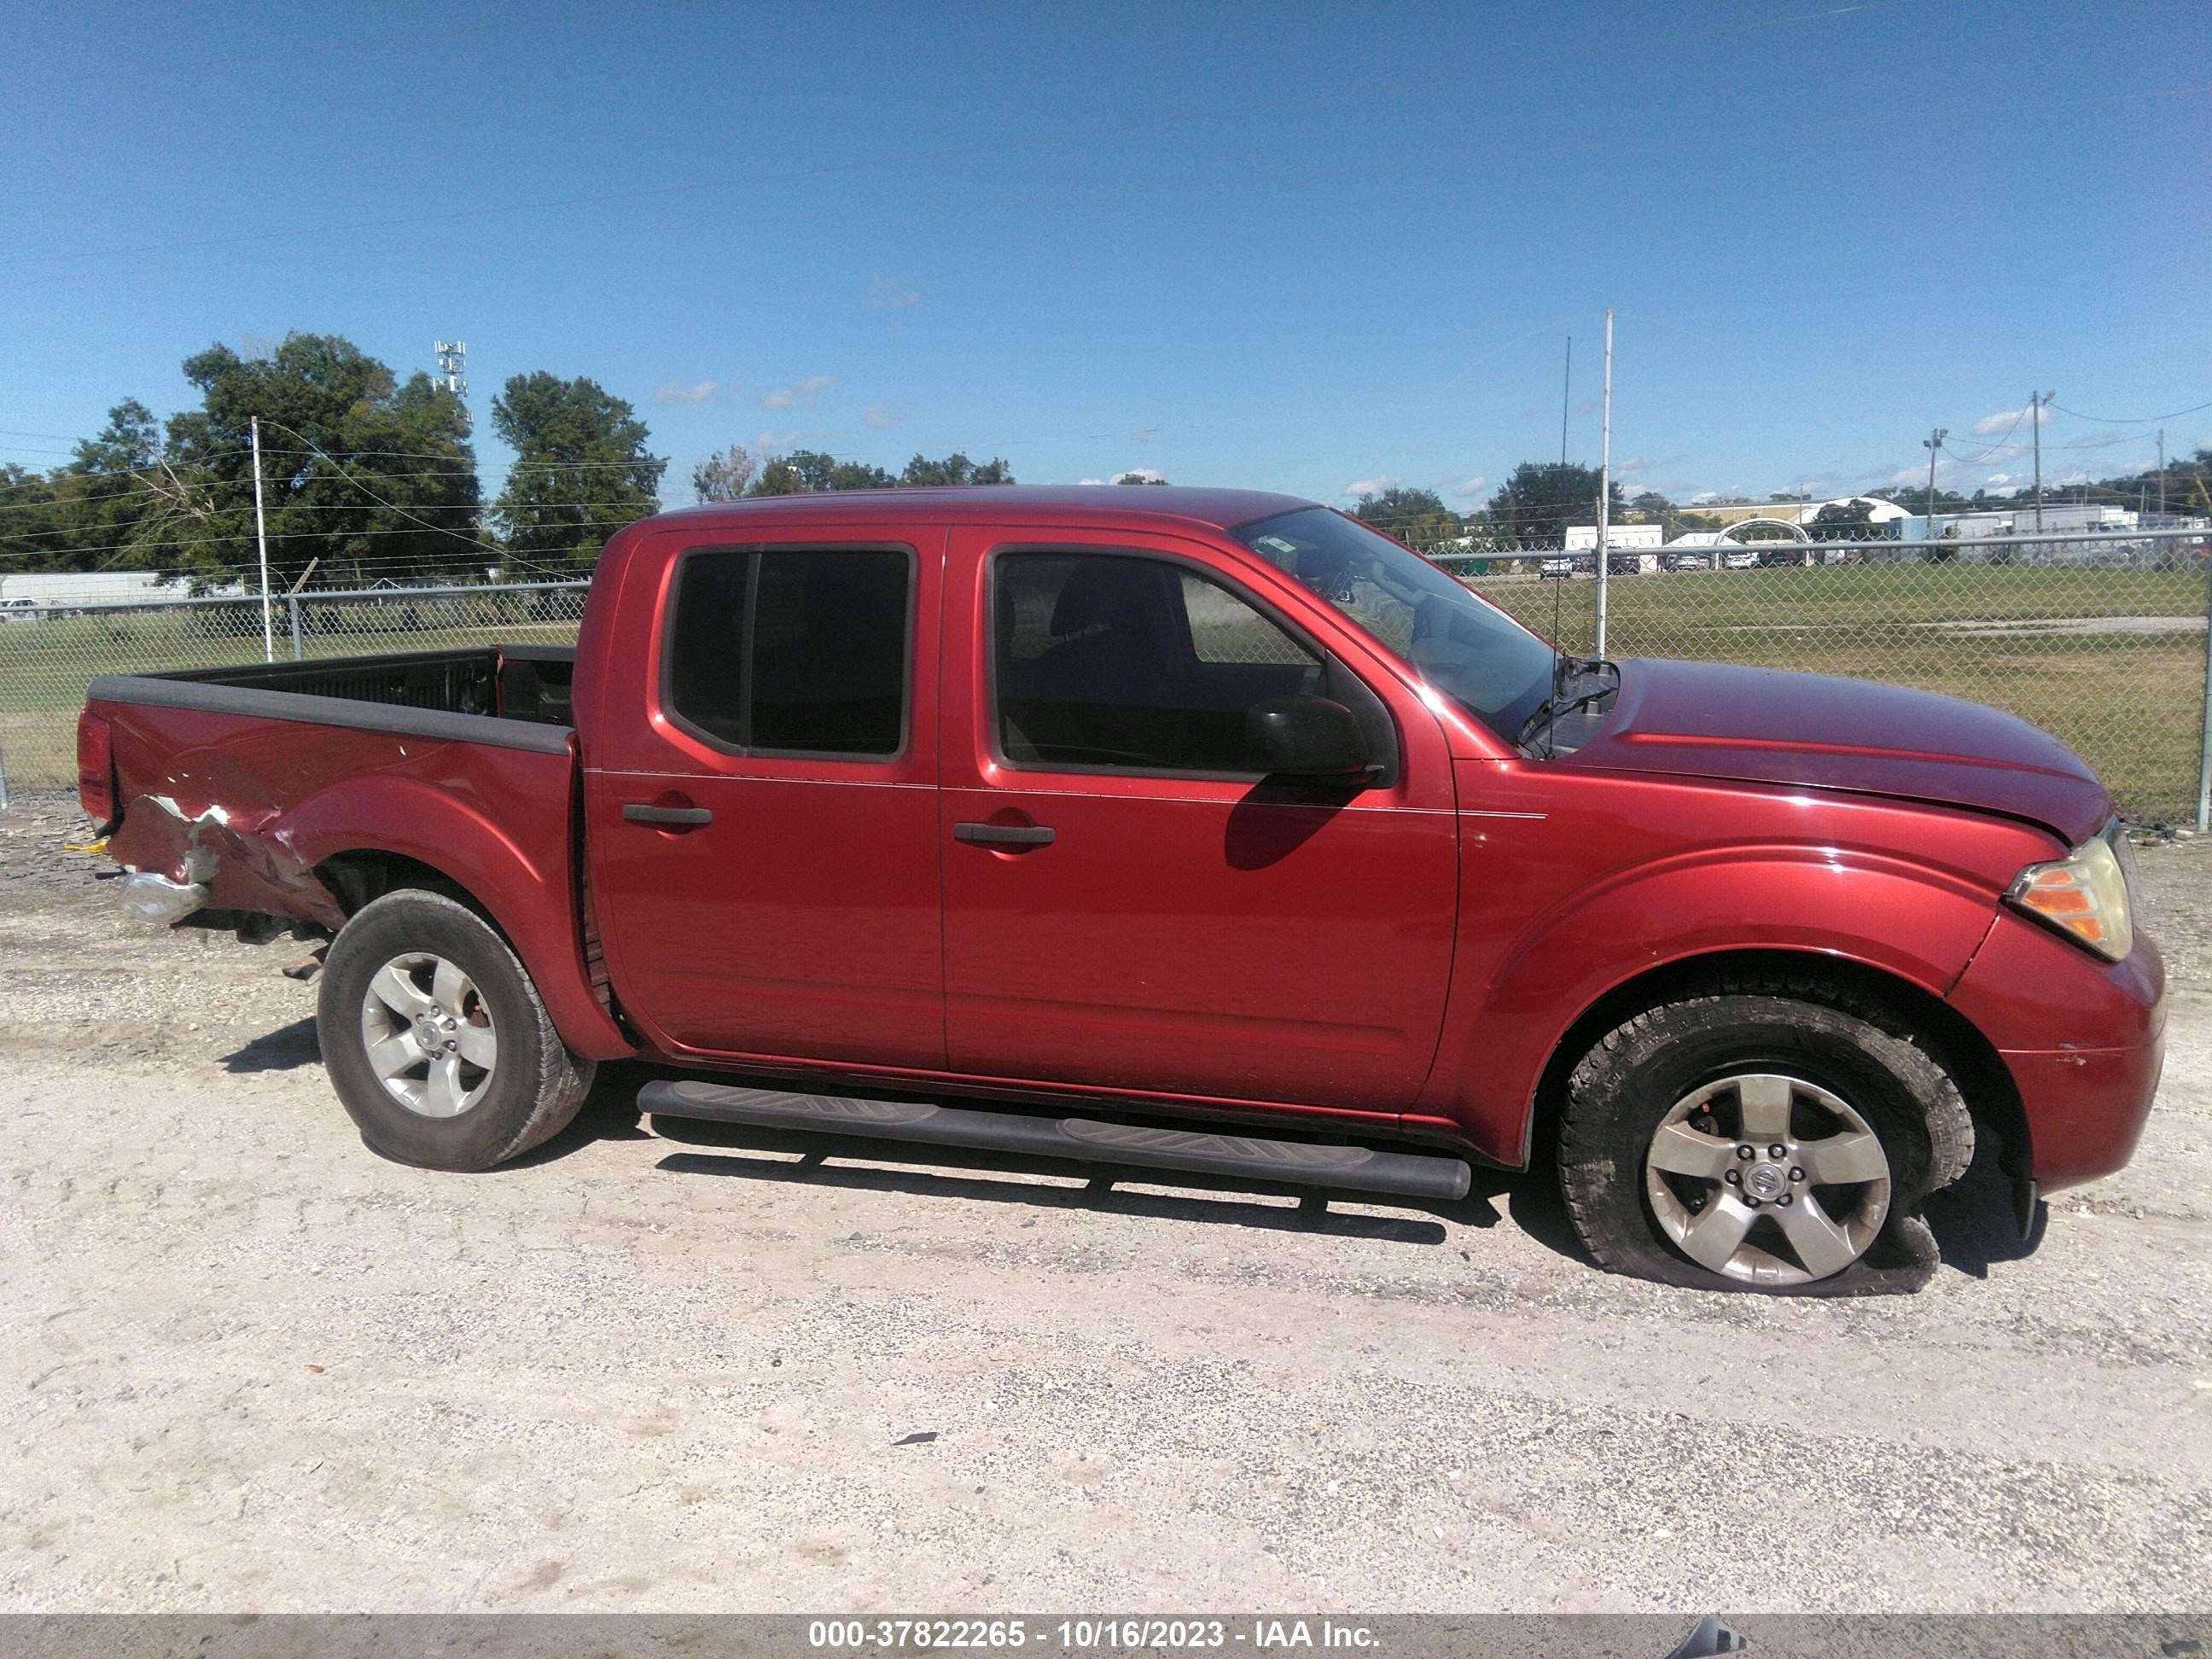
column 511, row 695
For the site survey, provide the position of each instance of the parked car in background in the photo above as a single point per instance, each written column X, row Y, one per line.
column 1739, row 558
column 19, row 611
column 1685, row 562
column 1559, row 570
column 1124, row 815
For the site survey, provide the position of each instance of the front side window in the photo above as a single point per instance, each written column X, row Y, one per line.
column 802, row 652
column 1470, row 650
column 1107, row 660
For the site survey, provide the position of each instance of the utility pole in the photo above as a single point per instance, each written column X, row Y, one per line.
column 1566, row 391
column 2037, row 401
column 1934, row 442
column 2161, row 476
column 261, row 536
column 1605, row 483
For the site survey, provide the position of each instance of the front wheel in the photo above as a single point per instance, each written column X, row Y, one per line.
column 1759, row 1141
column 436, row 1041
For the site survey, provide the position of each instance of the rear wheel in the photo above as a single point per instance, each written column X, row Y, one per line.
column 436, row 1041
column 1753, row 1140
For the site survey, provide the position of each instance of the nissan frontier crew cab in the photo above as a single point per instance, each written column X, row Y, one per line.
column 1192, row 829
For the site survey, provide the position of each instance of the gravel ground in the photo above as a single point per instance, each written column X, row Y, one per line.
column 248, row 1365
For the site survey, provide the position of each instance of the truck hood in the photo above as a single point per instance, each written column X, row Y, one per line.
column 1768, row 725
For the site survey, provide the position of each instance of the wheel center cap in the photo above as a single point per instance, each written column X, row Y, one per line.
column 427, row 1033
column 1765, row 1181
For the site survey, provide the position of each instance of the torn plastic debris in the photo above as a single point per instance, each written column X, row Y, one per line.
column 153, row 897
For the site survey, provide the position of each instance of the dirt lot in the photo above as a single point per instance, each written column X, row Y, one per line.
column 248, row 1365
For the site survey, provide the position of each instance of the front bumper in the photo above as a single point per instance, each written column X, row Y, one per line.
column 2084, row 1042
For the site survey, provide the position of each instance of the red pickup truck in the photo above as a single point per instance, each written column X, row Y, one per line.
column 1246, row 837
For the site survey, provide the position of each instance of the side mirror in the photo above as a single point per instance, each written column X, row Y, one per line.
column 1304, row 737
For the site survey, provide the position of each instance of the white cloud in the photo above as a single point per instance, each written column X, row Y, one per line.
column 1371, row 486
column 1090, row 481
column 2005, row 419
column 889, row 294
column 799, row 393
column 1995, row 478
column 1471, row 487
column 881, row 417
column 698, row 392
column 771, row 442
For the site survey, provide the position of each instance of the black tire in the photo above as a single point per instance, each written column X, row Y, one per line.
column 530, row 1093
column 1624, row 1088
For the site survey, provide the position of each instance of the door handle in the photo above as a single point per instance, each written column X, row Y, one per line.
column 1005, row 834
column 667, row 818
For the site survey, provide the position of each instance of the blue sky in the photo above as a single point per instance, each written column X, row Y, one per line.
column 1288, row 246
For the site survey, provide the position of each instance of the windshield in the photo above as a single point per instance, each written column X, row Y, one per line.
column 1473, row 653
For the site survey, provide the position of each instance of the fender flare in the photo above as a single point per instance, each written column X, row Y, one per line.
column 1879, row 915
column 533, row 901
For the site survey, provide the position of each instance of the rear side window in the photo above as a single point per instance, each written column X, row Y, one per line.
column 798, row 652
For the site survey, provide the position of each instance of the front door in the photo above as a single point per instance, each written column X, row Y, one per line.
column 1127, row 905
column 766, row 829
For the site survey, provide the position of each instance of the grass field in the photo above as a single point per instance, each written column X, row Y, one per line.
column 2111, row 660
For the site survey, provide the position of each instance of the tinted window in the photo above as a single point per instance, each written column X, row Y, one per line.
column 801, row 652
column 1132, row 663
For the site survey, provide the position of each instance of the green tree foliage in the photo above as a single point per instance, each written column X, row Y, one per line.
column 1845, row 521
column 1536, row 505
column 723, row 477
column 1139, row 478
column 955, row 469
column 362, row 475
column 1417, row 517
column 581, row 470
column 31, row 524
column 811, row 471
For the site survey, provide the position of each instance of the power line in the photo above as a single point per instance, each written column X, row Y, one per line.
column 2139, row 420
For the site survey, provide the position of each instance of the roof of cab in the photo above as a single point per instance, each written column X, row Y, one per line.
column 1068, row 504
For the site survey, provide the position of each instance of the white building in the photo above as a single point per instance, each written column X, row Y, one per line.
column 1582, row 538
column 81, row 590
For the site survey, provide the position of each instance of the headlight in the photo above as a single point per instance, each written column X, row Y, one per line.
column 2088, row 894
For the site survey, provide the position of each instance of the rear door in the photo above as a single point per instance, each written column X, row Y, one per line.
column 1127, row 904
column 764, row 813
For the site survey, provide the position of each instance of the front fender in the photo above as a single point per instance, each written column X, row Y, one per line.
column 1514, row 1002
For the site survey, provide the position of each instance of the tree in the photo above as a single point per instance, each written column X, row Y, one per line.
column 955, row 469
column 814, row 472
column 1413, row 516
column 364, row 475
column 1537, row 503
column 722, row 477
column 1845, row 521
column 581, row 470
column 1139, row 477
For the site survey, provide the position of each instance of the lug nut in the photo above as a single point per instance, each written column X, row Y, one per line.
column 1797, row 1174
column 1749, row 1202
column 1747, row 1151
column 1733, row 1179
column 1784, row 1198
column 452, row 1046
column 1777, row 1151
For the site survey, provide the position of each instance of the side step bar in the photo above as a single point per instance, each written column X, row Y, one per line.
column 1352, row 1168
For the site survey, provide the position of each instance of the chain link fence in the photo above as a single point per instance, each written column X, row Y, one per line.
column 2100, row 640
column 46, row 656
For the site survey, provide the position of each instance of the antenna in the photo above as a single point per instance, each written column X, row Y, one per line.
column 453, row 373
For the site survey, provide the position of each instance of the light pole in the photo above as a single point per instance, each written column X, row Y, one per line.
column 2036, row 405
column 1932, row 443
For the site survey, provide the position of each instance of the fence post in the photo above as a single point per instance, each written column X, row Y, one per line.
column 2205, row 743
column 292, row 602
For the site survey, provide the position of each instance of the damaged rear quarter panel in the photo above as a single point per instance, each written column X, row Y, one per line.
column 251, row 807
